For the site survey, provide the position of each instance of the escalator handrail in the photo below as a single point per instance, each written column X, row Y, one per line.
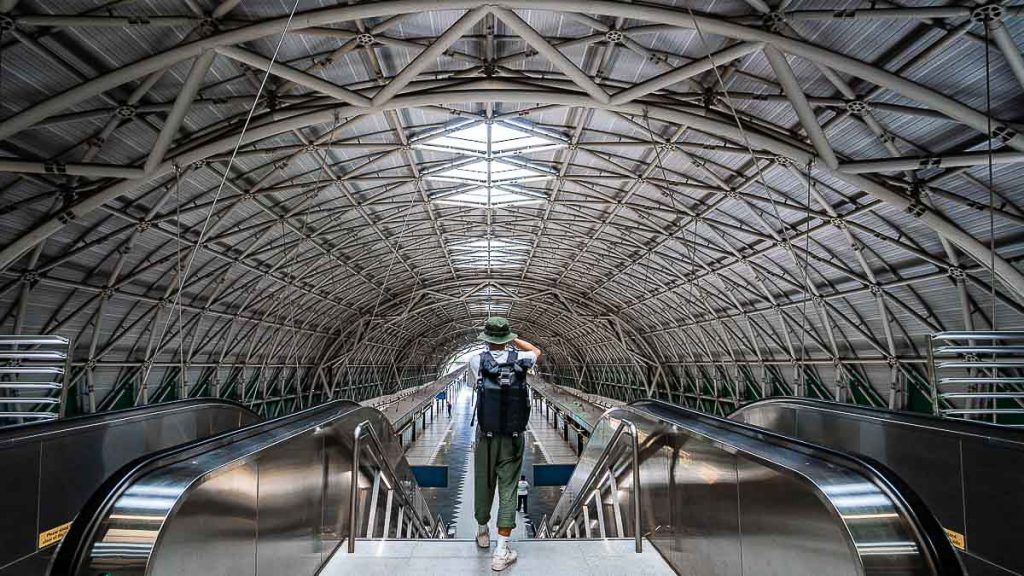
column 922, row 522
column 35, row 430
column 982, row 430
column 78, row 540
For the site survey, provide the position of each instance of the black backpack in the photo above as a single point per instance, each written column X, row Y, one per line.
column 503, row 405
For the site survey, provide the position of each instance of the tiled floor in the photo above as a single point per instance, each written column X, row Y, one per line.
column 451, row 557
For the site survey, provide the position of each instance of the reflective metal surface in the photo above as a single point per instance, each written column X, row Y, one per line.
column 269, row 499
column 603, row 476
column 50, row 469
column 969, row 474
column 721, row 497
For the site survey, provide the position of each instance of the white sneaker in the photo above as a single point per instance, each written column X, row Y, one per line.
column 503, row 558
column 483, row 537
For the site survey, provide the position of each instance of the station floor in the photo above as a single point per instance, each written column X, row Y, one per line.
column 448, row 441
column 449, row 557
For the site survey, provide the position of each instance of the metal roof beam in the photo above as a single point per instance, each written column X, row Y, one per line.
column 293, row 75
column 553, row 55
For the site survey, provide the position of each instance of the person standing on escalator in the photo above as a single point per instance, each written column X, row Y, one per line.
column 502, row 411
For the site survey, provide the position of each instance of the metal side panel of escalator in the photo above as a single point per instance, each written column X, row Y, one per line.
column 968, row 473
column 273, row 498
column 718, row 497
column 50, row 469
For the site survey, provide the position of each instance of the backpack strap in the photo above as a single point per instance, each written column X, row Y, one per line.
column 487, row 363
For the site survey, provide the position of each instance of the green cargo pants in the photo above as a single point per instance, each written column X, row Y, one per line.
column 498, row 460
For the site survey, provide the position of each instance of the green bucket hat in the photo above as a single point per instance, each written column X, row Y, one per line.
column 497, row 331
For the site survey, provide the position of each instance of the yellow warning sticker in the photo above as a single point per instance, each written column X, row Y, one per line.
column 956, row 538
column 53, row 535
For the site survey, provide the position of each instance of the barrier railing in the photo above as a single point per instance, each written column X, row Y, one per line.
column 32, row 378
column 978, row 375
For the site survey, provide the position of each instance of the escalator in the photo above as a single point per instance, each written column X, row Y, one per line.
column 720, row 497
column 51, row 468
column 968, row 473
column 272, row 498
column 659, row 488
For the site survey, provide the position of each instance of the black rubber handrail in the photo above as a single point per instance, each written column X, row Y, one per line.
column 76, row 543
column 17, row 432
column 985, row 430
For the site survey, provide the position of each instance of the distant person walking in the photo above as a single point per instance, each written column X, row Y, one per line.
column 523, row 490
column 449, row 405
column 502, row 411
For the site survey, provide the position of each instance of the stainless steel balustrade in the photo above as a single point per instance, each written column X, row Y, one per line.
column 720, row 497
column 544, row 529
column 50, row 469
column 440, row 528
column 269, row 499
column 602, row 474
column 969, row 474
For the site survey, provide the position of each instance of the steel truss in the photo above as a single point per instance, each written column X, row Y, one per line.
column 720, row 206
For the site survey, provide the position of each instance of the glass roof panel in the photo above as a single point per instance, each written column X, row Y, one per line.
column 474, row 171
column 484, row 196
column 504, row 138
column 503, row 171
column 474, row 138
column 494, row 243
column 488, row 171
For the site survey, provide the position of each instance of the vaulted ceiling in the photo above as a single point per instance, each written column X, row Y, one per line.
column 287, row 201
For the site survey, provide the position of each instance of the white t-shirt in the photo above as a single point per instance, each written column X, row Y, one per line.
column 524, row 487
column 499, row 357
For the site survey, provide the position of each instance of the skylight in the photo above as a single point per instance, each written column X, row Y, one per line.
column 490, row 254
column 488, row 197
column 474, row 139
column 488, row 143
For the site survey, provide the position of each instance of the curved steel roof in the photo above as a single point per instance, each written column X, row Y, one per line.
column 757, row 198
